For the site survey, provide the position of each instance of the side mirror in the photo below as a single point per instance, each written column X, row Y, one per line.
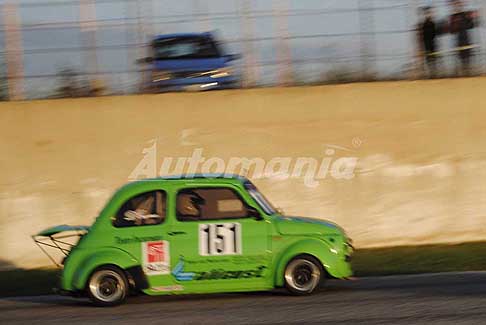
column 233, row 57
column 253, row 213
column 145, row 60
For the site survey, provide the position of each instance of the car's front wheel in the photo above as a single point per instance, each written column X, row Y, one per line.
column 303, row 275
column 107, row 286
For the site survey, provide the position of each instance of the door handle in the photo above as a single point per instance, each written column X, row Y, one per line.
column 175, row 233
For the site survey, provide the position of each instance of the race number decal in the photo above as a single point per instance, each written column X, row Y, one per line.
column 156, row 258
column 219, row 239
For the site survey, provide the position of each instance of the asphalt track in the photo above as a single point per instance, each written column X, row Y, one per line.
column 450, row 298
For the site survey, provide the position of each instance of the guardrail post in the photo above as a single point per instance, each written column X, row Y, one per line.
column 366, row 24
column 284, row 56
column 481, row 7
column 249, row 62
column 201, row 14
column 88, row 25
column 14, row 58
column 416, row 70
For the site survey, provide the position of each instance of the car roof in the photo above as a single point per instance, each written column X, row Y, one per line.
column 149, row 183
column 190, row 178
column 180, row 35
column 186, row 177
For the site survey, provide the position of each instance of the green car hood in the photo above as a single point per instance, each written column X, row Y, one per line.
column 306, row 226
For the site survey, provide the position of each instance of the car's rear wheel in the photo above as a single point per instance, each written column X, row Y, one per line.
column 303, row 275
column 107, row 286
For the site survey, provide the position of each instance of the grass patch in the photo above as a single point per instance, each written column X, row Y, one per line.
column 366, row 262
column 420, row 259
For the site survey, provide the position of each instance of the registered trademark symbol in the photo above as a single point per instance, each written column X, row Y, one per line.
column 356, row 142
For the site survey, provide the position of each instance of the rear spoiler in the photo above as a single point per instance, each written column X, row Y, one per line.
column 57, row 237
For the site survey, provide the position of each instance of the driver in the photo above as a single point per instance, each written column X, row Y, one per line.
column 148, row 211
column 189, row 205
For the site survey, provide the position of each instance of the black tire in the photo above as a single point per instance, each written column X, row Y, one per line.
column 107, row 286
column 303, row 275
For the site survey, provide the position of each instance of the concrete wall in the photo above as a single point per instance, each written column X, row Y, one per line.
column 421, row 148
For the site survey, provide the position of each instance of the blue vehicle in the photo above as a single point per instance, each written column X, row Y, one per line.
column 190, row 61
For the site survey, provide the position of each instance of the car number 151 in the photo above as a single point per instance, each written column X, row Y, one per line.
column 219, row 239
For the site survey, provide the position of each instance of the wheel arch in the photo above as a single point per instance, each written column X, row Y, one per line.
column 314, row 248
column 104, row 257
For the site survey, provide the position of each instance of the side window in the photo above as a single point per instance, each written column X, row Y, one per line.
column 210, row 204
column 144, row 209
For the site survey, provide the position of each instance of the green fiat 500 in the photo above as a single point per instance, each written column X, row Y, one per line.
column 181, row 235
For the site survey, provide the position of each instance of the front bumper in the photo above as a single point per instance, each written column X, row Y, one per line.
column 195, row 84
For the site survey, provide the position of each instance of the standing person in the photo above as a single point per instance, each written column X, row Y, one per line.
column 427, row 33
column 460, row 22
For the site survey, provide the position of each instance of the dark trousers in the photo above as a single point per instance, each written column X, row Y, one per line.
column 431, row 64
column 464, row 67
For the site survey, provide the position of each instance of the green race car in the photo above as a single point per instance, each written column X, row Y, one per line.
column 181, row 235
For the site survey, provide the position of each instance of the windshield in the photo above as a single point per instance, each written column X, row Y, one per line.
column 185, row 47
column 260, row 198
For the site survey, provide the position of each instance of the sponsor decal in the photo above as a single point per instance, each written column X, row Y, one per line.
column 175, row 287
column 233, row 259
column 135, row 239
column 219, row 239
column 220, row 274
column 215, row 274
column 179, row 273
column 156, row 258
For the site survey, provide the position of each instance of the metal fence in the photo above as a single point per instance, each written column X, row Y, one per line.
column 85, row 47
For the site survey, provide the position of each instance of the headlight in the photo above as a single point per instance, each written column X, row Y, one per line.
column 220, row 73
column 348, row 249
column 161, row 76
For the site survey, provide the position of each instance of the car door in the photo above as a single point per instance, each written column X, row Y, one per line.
column 140, row 229
column 218, row 243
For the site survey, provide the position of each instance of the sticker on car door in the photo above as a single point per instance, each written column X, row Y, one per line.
column 219, row 239
column 156, row 258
